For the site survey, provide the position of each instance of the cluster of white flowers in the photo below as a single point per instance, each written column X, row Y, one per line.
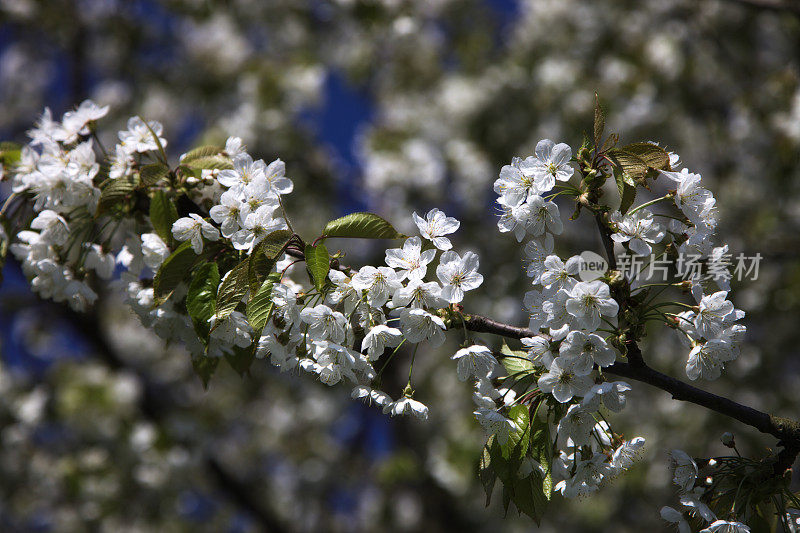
column 684, row 476
column 572, row 312
column 710, row 330
column 309, row 331
column 70, row 241
column 245, row 191
column 316, row 338
column 58, row 167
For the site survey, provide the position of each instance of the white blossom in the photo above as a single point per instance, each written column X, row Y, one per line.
column 552, row 162
column 725, row 526
column 535, row 304
column 256, row 227
column 514, row 185
column 78, row 295
column 244, row 171
column 458, row 275
column 154, row 250
column 53, row 227
column 475, row 360
column 697, row 508
column 576, row 426
column 638, row 229
column 714, row 315
column 278, row 183
column 588, row 300
column 378, row 338
column 407, row 406
column 234, row 146
column 514, row 218
column 612, row 396
column 101, row 262
column 563, row 382
column 139, row 137
column 324, row 323
column 419, row 295
column 193, row 228
column 75, row 122
column 494, row 423
column 379, row 283
column 435, row 226
column 707, row 360
column 228, row 213
column 544, row 216
column 627, row 453
column 673, row 516
column 684, row 471
column 558, row 275
column 410, row 260
column 343, row 291
column 418, row 325
column 535, row 254
column 586, row 350
column 538, row 350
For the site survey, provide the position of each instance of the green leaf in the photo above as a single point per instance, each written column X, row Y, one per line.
column 637, row 158
column 197, row 153
column 10, row 153
column 361, row 226
column 627, row 190
column 233, row 288
column 260, row 306
column 501, row 464
column 162, row 215
column 176, row 268
column 529, row 496
column 518, row 439
column 652, row 154
column 202, row 296
column 260, row 267
column 532, row 493
column 541, row 449
column 599, row 121
column 264, row 256
column 4, row 243
column 204, row 367
column 318, row 263
column 611, row 142
column 153, row 173
column 516, row 362
column 212, row 162
column 275, row 243
column 116, row 193
column 486, row 473
column 240, row 359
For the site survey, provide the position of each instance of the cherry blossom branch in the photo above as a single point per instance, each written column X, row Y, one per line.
column 608, row 243
column 482, row 324
column 785, row 429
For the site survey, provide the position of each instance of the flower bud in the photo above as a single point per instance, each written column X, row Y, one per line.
column 728, row 440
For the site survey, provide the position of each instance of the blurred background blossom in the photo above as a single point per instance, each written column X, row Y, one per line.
column 392, row 106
